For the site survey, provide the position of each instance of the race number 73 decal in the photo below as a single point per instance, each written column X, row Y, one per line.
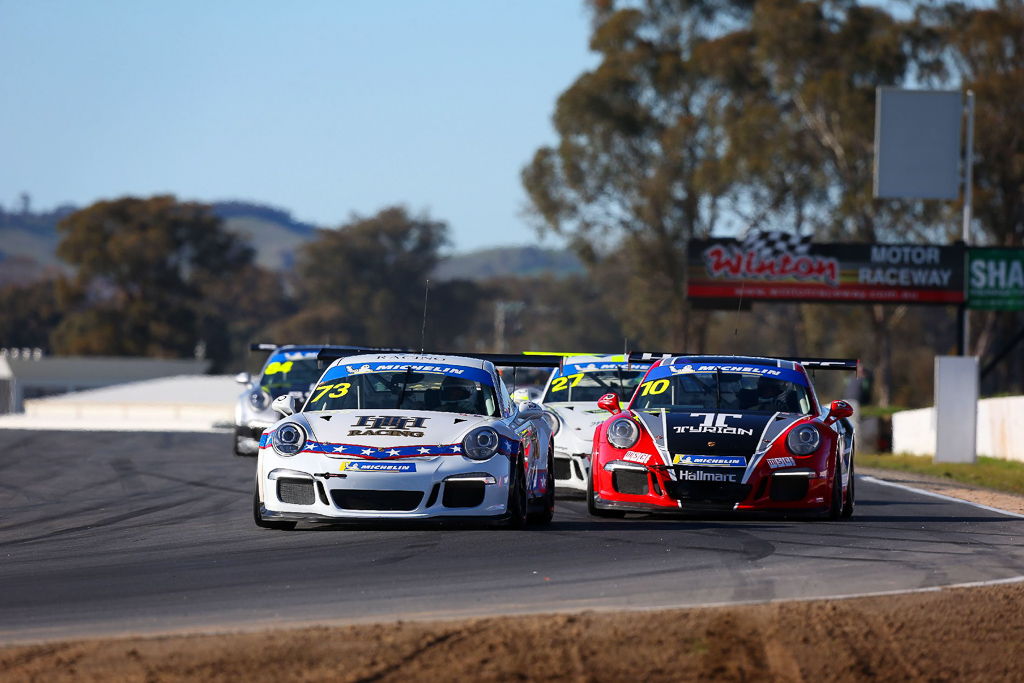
column 340, row 390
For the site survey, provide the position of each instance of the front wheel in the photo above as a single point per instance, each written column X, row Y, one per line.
column 851, row 499
column 517, row 500
column 547, row 503
column 263, row 523
column 835, row 507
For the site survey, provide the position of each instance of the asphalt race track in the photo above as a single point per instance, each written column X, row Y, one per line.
column 115, row 533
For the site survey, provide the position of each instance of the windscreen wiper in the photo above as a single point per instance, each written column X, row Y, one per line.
column 405, row 383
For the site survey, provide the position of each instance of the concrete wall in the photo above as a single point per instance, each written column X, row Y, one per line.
column 1000, row 429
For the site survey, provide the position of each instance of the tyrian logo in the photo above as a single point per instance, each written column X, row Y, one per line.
column 388, row 425
column 713, row 423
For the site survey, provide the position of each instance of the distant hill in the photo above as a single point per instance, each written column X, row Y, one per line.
column 503, row 261
column 28, row 245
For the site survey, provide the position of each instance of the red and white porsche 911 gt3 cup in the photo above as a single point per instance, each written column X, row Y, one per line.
column 719, row 433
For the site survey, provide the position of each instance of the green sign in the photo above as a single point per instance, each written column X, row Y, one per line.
column 995, row 279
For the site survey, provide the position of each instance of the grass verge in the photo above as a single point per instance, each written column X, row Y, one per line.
column 991, row 473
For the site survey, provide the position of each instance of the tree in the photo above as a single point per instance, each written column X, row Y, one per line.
column 144, row 268
column 633, row 176
column 364, row 283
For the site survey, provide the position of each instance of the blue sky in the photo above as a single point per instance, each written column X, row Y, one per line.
column 320, row 107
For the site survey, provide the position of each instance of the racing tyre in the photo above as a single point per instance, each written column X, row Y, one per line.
column 547, row 503
column 265, row 524
column 238, row 435
column 517, row 500
column 596, row 511
column 835, row 507
column 851, row 500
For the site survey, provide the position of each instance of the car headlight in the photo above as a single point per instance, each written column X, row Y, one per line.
column 803, row 440
column 288, row 439
column 623, row 433
column 552, row 421
column 480, row 444
column 259, row 399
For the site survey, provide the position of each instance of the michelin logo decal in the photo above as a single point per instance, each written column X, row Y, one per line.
column 356, row 466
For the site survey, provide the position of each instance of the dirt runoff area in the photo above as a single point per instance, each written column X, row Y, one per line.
column 966, row 634
column 962, row 634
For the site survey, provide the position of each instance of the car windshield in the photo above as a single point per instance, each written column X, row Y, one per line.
column 281, row 376
column 409, row 389
column 573, row 384
column 717, row 390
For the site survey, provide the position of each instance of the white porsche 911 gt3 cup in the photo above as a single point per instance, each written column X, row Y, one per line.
column 570, row 399
column 406, row 436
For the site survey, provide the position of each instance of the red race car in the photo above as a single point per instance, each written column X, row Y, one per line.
column 718, row 433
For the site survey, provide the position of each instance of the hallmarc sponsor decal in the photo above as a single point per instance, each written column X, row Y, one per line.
column 711, row 460
column 388, row 425
column 706, row 476
column 713, row 423
column 776, row 463
column 377, row 467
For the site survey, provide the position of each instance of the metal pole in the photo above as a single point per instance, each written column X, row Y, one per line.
column 968, row 201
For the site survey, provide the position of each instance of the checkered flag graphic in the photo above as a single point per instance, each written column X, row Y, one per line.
column 770, row 244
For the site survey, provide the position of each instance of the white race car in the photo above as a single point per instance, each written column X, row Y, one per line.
column 287, row 369
column 406, row 436
column 570, row 399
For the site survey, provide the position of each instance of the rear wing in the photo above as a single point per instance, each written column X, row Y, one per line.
column 505, row 360
column 808, row 363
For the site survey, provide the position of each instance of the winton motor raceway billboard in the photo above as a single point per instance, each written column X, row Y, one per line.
column 779, row 266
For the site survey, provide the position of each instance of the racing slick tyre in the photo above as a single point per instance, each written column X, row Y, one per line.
column 596, row 511
column 547, row 503
column 518, row 503
column 851, row 500
column 262, row 523
column 238, row 436
column 835, row 506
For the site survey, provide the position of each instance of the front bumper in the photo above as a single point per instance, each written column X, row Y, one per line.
column 634, row 487
column 571, row 470
column 314, row 488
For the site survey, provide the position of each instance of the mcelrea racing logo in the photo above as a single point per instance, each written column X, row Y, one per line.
column 713, row 424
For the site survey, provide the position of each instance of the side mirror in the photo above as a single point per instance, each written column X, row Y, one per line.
column 839, row 410
column 286, row 404
column 609, row 402
column 528, row 410
column 243, row 378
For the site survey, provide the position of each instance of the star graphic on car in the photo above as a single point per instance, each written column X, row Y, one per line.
column 392, row 452
column 367, row 451
column 424, row 450
column 456, row 448
column 339, row 449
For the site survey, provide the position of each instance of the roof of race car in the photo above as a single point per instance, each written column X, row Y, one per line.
column 413, row 358
column 730, row 360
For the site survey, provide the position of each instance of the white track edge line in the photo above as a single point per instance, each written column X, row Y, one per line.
column 940, row 496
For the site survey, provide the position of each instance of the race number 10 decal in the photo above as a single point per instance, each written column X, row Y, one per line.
column 658, row 386
column 560, row 383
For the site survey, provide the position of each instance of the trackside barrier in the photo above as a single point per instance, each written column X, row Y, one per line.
column 1000, row 429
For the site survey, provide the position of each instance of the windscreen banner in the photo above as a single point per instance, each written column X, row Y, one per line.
column 783, row 267
column 995, row 279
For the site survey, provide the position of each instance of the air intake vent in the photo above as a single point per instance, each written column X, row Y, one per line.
column 364, row 499
column 463, row 494
column 561, row 468
column 295, row 491
column 633, row 483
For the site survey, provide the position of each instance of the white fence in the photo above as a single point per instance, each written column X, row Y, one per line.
column 1000, row 429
